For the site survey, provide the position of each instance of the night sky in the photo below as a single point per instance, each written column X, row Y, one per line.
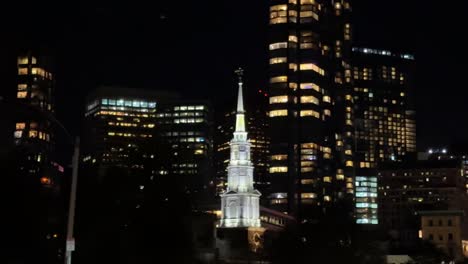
column 193, row 47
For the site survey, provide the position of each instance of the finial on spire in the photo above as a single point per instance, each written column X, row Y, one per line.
column 240, row 73
column 240, row 119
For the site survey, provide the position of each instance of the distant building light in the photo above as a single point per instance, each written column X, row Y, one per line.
column 444, row 151
column 430, row 151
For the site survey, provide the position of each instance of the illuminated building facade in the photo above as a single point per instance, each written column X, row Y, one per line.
column 38, row 174
column 446, row 230
column 366, row 200
column 385, row 119
column 240, row 203
column 257, row 125
column 186, row 129
column 120, row 124
column 310, row 107
column 407, row 188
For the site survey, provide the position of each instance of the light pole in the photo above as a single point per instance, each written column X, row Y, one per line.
column 70, row 241
column 70, row 244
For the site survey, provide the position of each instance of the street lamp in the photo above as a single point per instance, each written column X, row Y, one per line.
column 70, row 241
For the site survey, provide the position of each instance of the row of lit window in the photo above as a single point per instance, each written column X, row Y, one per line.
column 129, row 103
column 35, row 71
column 33, row 134
column 188, row 120
column 118, row 113
column 25, row 60
column 189, row 107
column 119, row 134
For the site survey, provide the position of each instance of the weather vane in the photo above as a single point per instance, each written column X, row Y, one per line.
column 240, row 73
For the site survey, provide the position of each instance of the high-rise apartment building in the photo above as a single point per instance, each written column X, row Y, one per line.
column 385, row 117
column 385, row 126
column 37, row 176
column 310, row 107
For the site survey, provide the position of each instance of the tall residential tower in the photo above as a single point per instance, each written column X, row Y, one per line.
column 311, row 107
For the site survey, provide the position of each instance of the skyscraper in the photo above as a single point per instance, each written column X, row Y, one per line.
column 384, row 120
column 38, row 175
column 385, row 116
column 185, row 128
column 311, row 107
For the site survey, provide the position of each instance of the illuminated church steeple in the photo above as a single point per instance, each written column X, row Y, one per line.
column 240, row 202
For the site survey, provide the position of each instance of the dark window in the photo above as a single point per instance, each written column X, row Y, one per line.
column 440, row 222
column 441, row 238
column 431, row 237
column 431, row 223
column 450, row 236
column 449, row 222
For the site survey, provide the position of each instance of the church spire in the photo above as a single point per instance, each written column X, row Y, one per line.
column 240, row 115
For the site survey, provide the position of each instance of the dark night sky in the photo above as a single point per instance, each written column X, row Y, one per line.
column 193, row 47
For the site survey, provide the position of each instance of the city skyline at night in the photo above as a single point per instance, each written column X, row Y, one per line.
column 280, row 131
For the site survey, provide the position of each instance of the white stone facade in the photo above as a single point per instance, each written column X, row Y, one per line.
column 240, row 202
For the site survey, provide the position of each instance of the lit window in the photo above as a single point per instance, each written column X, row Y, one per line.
column 279, row 8
column 279, row 79
column 23, row 60
column 310, row 113
column 278, row 169
column 279, row 99
column 293, row 85
column 18, row 134
column 308, row 195
column 327, row 112
column 22, row 87
column 326, row 99
column 309, row 100
column 349, row 163
column 307, row 2
column 292, row 38
column 293, row 66
column 281, row 112
column 307, row 181
column 199, row 152
column 45, row 181
column 311, row 66
column 306, row 86
column 327, row 179
column 279, row 157
column 327, row 198
column 20, row 126
column 22, row 94
column 348, row 152
column 277, row 60
column 32, row 133
column 22, row 71
column 278, row 45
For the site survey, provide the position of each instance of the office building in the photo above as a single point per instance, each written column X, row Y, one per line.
column 185, row 128
column 407, row 188
column 311, row 108
column 257, row 125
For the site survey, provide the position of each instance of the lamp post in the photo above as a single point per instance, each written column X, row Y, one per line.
column 75, row 142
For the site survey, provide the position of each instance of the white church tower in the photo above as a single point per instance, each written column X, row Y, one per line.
column 240, row 202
